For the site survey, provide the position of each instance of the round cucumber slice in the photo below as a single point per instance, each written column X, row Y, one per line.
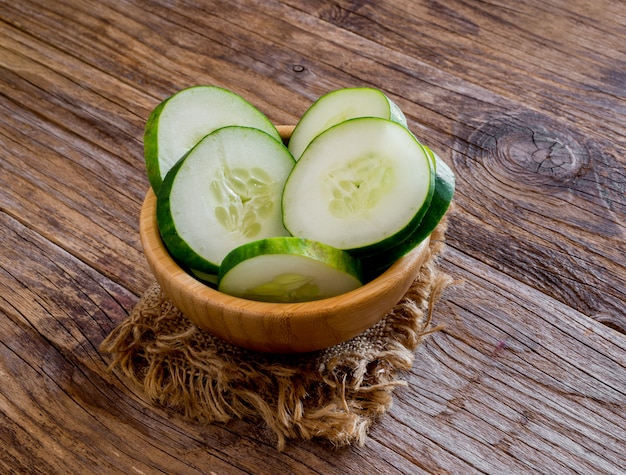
column 225, row 192
column 375, row 264
column 181, row 120
column 362, row 186
column 337, row 106
column 288, row 269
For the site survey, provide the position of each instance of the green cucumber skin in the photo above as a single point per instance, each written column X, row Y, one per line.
column 176, row 244
column 151, row 148
column 396, row 114
column 375, row 264
column 169, row 234
column 290, row 245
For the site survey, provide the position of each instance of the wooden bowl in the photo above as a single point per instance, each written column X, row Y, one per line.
column 276, row 327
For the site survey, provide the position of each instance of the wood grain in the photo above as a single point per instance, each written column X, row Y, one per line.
column 525, row 100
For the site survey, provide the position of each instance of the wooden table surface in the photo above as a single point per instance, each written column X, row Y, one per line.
column 524, row 99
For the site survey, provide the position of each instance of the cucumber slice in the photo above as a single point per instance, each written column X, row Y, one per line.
column 181, row 120
column 337, row 106
column 361, row 186
column 288, row 269
column 208, row 279
column 225, row 192
column 374, row 265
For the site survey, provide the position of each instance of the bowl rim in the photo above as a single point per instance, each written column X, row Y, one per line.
column 154, row 246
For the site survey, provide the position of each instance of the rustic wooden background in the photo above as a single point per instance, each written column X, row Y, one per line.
column 526, row 100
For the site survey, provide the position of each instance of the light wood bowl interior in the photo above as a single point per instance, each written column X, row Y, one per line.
column 276, row 327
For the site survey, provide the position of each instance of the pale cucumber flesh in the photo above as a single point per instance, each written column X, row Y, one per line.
column 288, row 269
column 361, row 186
column 375, row 264
column 338, row 106
column 179, row 122
column 224, row 193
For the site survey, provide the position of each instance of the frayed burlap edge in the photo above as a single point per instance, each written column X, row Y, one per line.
column 334, row 394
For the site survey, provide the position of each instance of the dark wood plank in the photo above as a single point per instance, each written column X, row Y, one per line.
column 540, row 375
column 525, row 101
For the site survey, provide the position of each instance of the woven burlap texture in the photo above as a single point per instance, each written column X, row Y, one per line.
column 334, row 394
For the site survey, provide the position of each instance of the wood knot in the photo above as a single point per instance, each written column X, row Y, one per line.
column 529, row 148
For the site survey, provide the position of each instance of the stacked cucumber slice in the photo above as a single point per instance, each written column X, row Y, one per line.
column 288, row 269
column 361, row 185
column 338, row 106
column 351, row 192
column 181, row 120
column 223, row 193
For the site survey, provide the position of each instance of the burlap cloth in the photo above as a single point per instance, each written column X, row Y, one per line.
column 334, row 394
